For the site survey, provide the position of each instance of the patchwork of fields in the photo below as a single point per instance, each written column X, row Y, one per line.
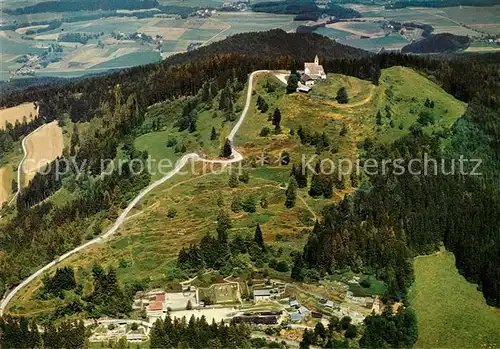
column 11, row 160
column 474, row 22
column 103, row 52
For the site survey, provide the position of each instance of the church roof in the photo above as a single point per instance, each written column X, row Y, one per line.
column 313, row 68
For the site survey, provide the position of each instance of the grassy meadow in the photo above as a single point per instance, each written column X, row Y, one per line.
column 451, row 312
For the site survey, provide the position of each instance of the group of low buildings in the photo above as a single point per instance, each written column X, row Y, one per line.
column 156, row 303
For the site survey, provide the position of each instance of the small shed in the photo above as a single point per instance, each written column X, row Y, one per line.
column 303, row 310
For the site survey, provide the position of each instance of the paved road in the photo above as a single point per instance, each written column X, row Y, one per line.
column 236, row 157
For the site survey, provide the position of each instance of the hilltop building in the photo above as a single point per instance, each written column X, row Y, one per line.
column 314, row 71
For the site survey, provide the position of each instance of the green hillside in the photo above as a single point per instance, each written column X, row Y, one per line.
column 451, row 312
column 184, row 209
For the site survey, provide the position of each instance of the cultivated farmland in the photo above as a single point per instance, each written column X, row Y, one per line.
column 17, row 113
column 42, row 146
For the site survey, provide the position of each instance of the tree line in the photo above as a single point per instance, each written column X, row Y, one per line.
column 197, row 333
column 24, row 334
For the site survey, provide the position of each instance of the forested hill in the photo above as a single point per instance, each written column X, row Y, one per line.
column 274, row 43
column 305, row 9
column 438, row 43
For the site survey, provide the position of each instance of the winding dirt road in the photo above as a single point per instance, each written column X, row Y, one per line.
column 20, row 167
column 119, row 221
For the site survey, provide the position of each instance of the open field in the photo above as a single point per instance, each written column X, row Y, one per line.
column 484, row 19
column 401, row 86
column 451, row 312
column 193, row 3
column 391, row 42
column 23, row 30
column 368, row 29
column 42, row 147
column 241, row 22
column 12, row 43
column 452, row 19
column 17, row 113
column 332, row 33
column 463, row 20
column 482, row 47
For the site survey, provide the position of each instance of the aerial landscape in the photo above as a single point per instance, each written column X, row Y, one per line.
column 250, row 174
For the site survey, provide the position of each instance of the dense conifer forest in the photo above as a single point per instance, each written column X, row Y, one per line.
column 387, row 221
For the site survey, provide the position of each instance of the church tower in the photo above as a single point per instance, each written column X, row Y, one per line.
column 316, row 60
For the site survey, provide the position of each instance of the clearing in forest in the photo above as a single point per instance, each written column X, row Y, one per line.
column 451, row 312
column 18, row 112
column 42, row 147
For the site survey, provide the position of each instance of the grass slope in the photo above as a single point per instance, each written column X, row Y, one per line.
column 451, row 312
column 405, row 92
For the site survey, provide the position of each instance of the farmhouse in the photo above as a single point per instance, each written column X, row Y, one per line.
column 261, row 295
column 306, row 80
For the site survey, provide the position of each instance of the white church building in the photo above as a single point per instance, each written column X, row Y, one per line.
column 313, row 71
